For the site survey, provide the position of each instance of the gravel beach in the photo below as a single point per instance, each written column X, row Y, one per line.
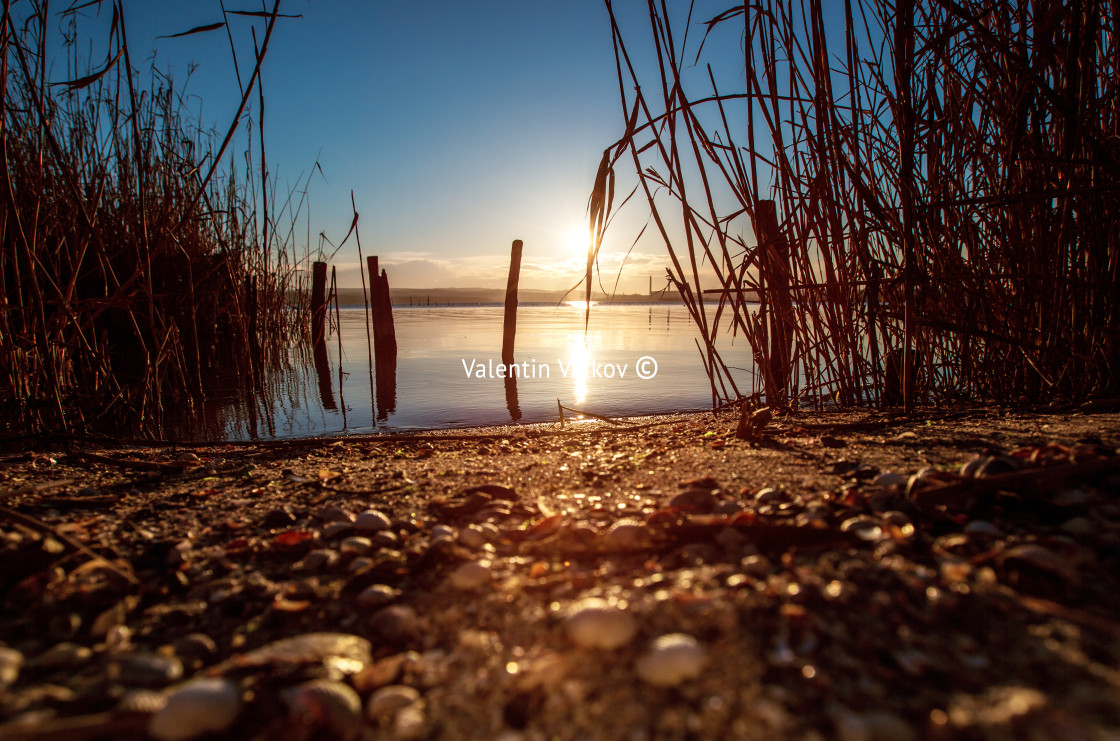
column 855, row 576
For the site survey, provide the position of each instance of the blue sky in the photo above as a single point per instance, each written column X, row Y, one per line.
column 459, row 126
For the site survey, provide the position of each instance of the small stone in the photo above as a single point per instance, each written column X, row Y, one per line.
column 336, row 514
column 396, row 623
column 890, row 478
column 471, row 575
column 195, row 648
column 330, row 705
column 695, row 500
column 355, row 545
column 386, row 702
column 410, row 723
column 361, row 563
column 197, row 707
column 971, row 466
column 595, row 623
column 339, row 653
column 146, row 670
column 770, row 495
column 985, row 528
column 1079, row 526
column 472, row 537
column 320, row 558
column 10, row 662
column 142, row 701
column 863, row 527
column 997, row 465
column 335, row 529
column 377, row 595
column 672, row 659
column 386, row 539
column 443, row 531
column 62, row 656
column 372, row 521
column 626, row 534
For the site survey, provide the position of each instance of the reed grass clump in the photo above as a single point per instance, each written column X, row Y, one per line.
column 945, row 183
column 138, row 273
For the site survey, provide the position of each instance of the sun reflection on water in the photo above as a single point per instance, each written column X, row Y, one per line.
column 579, row 358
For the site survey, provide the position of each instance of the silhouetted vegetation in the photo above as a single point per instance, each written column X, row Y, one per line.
column 139, row 272
column 945, row 178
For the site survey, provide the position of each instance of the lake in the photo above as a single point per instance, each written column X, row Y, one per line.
column 634, row 359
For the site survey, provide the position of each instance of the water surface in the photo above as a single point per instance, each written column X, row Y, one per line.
column 449, row 374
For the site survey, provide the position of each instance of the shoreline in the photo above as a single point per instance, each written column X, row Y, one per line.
column 818, row 603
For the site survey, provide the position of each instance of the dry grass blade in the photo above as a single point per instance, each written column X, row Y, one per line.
column 940, row 191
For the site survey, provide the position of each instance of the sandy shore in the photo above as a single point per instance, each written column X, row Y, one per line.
column 518, row 583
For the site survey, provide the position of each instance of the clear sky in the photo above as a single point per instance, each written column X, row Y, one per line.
column 459, row 126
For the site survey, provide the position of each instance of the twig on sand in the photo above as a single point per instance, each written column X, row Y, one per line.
column 6, row 513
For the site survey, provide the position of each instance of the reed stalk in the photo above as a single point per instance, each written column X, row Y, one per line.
column 945, row 177
column 133, row 286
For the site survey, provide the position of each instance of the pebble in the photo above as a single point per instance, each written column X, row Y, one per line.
column 336, row 514
column 372, row 521
column 396, row 623
column 626, row 534
column 195, row 648
column 386, row 702
column 472, row 536
column 330, row 705
column 146, row 670
column 971, row 466
column 871, row 726
column 863, row 527
column 62, row 656
column 595, row 623
column 10, row 662
column 471, row 575
column 386, row 539
column 983, row 527
column 997, row 465
column 197, row 707
column 890, row 478
column 355, row 545
column 672, row 659
column 770, row 495
column 1078, row 526
column 335, row 529
column 411, row 723
column 342, row 653
column 320, row 558
column 377, row 595
column 695, row 500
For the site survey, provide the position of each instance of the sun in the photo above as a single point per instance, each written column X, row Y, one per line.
column 576, row 241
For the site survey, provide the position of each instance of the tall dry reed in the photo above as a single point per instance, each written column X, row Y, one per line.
column 945, row 177
column 138, row 272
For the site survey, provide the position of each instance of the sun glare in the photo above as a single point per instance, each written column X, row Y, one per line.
column 576, row 241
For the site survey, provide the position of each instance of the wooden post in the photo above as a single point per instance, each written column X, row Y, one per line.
column 318, row 303
column 381, row 305
column 510, row 326
column 774, row 269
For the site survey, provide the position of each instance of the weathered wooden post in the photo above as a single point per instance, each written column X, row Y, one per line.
column 774, row 270
column 510, row 325
column 318, row 303
column 381, row 304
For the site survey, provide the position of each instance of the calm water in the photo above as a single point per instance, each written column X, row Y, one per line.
column 447, row 371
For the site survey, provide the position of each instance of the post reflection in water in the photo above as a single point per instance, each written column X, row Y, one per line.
column 511, row 398
column 386, row 386
column 323, row 373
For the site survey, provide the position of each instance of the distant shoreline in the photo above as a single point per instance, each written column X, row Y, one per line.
column 496, row 297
